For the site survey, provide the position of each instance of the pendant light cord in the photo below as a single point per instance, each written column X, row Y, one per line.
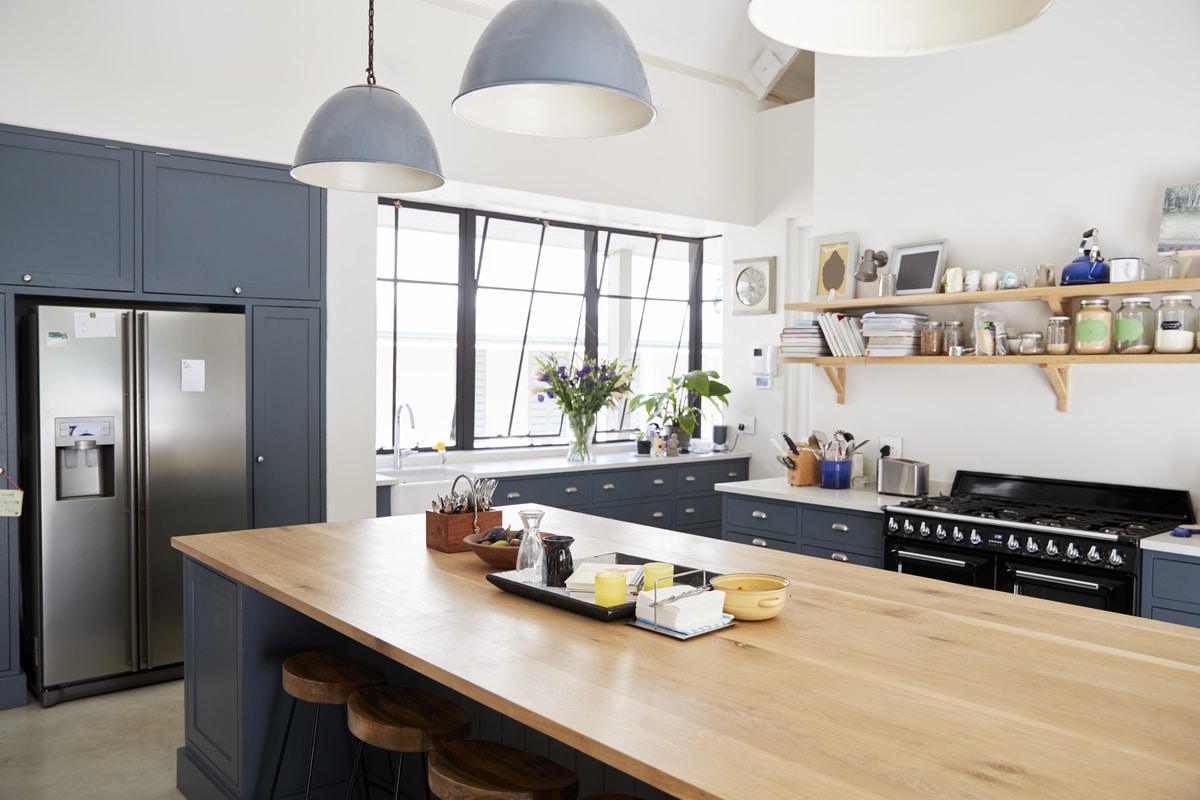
column 371, row 43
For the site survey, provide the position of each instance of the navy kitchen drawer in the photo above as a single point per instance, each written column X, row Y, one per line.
column 566, row 491
column 1175, row 579
column 691, row 478
column 761, row 540
column 626, row 484
column 694, row 510
column 846, row 555
column 656, row 513
column 761, row 515
column 844, row 529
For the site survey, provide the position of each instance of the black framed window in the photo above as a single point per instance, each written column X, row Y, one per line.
column 469, row 300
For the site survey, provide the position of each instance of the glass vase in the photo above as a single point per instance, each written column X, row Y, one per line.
column 582, row 428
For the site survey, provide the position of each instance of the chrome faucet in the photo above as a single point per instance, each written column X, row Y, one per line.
column 398, row 451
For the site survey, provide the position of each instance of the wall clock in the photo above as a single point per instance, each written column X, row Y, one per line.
column 753, row 282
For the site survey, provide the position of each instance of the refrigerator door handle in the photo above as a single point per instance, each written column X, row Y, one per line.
column 130, row 365
column 141, row 329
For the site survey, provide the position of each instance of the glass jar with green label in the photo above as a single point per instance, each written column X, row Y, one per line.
column 1093, row 328
column 1133, row 330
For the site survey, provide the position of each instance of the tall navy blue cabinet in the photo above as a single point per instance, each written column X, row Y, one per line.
column 89, row 221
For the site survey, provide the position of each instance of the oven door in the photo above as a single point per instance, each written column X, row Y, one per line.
column 943, row 564
column 1105, row 591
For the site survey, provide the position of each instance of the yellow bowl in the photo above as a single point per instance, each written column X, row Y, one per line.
column 752, row 595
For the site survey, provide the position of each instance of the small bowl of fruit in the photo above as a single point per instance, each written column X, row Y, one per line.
column 497, row 547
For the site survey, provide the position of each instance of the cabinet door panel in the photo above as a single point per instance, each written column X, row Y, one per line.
column 213, row 655
column 286, row 397
column 223, row 229
column 66, row 213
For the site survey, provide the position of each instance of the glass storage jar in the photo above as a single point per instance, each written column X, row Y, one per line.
column 953, row 335
column 931, row 339
column 1093, row 327
column 1058, row 336
column 1032, row 343
column 1133, row 330
column 1175, row 328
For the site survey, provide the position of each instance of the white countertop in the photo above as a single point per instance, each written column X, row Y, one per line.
column 385, row 480
column 1180, row 545
column 540, row 465
column 778, row 489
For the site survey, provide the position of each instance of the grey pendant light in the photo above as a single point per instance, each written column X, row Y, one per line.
column 560, row 68
column 367, row 138
column 889, row 27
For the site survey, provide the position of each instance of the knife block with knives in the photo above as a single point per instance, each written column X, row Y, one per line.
column 807, row 471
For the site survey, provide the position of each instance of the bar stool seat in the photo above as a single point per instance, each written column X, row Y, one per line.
column 474, row 769
column 321, row 678
column 609, row 797
column 402, row 720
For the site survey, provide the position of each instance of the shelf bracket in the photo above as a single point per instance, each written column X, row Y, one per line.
column 837, row 378
column 1060, row 379
column 1059, row 306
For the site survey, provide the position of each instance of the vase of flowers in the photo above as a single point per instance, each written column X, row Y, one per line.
column 582, row 393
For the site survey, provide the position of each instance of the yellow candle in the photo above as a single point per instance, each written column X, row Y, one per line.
column 610, row 588
column 652, row 572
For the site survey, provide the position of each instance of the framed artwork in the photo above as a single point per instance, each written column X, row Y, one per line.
column 1179, row 227
column 753, row 282
column 835, row 258
column 918, row 267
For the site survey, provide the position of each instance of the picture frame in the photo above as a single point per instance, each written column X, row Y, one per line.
column 835, row 257
column 919, row 267
column 751, row 285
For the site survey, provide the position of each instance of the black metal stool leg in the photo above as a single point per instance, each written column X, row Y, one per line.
column 312, row 751
column 425, row 775
column 399, row 772
column 358, row 754
column 278, row 764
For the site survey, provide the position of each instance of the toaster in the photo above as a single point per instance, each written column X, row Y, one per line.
column 902, row 476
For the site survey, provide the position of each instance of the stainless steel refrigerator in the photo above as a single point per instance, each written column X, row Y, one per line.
column 134, row 431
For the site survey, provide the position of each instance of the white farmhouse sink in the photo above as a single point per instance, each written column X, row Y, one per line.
column 418, row 487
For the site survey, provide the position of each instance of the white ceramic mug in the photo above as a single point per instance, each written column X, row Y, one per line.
column 989, row 281
column 972, row 280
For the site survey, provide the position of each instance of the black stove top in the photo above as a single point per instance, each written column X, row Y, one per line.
column 1046, row 515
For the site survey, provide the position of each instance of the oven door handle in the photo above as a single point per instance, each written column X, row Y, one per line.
column 954, row 562
column 1041, row 576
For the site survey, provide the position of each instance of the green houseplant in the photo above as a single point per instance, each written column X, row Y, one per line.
column 676, row 407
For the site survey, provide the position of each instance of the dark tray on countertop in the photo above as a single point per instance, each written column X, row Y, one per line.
column 560, row 597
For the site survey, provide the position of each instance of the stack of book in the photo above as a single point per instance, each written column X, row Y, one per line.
column 843, row 333
column 892, row 334
column 803, row 340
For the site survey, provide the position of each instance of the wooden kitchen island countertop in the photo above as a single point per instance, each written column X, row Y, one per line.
column 870, row 684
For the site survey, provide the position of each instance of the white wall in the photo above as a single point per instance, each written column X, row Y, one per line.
column 784, row 174
column 242, row 79
column 1010, row 150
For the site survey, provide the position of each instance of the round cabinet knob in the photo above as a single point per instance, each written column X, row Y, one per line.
column 261, row 459
column 1013, row 542
column 1093, row 553
column 957, row 535
column 1051, row 548
column 1115, row 558
column 237, row 290
column 941, row 531
column 925, row 529
column 975, row 537
column 1031, row 545
column 27, row 277
column 1072, row 551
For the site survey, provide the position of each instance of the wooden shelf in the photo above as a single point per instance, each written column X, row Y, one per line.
column 1056, row 297
column 1057, row 368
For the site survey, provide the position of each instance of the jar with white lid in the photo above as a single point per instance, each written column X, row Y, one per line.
column 1133, row 330
column 1093, row 327
column 1058, row 336
column 1032, row 343
column 1175, row 331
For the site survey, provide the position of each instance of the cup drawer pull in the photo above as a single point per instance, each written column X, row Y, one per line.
column 513, row 495
column 840, row 557
column 658, row 481
column 840, row 526
column 571, row 490
column 758, row 542
column 733, row 474
column 689, row 510
column 657, row 515
column 690, row 478
column 758, row 514
column 608, row 487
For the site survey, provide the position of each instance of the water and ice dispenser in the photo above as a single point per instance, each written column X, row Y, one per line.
column 83, row 449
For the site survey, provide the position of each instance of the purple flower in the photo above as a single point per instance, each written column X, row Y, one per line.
column 541, row 397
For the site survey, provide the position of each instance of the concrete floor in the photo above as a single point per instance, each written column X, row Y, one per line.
column 118, row 746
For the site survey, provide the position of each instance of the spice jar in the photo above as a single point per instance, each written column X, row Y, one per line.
column 953, row 336
column 1032, row 343
column 1093, row 328
column 1175, row 329
column 931, row 339
column 1058, row 336
column 1133, row 330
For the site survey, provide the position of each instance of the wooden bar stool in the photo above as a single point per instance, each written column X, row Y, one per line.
column 609, row 797
column 323, row 679
column 473, row 769
column 401, row 721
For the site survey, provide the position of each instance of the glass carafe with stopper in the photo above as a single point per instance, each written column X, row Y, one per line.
column 530, row 556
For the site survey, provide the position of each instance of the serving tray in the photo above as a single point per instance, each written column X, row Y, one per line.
column 584, row 604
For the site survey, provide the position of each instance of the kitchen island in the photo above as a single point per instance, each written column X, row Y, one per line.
column 870, row 684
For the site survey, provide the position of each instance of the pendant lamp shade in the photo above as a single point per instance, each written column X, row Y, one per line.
column 368, row 139
column 889, row 27
column 558, row 68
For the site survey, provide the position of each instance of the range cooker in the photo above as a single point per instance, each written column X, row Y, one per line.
column 1069, row 541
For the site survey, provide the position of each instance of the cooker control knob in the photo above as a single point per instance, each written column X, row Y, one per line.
column 1013, row 542
column 975, row 537
column 957, row 534
column 1115, row 558
column 925, row 529
column 908, row 526
column 893, row 526
column 1072, row 551
column 1051, row 548
column 941, row 531
column 1094, row 553
column 1031, row 545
